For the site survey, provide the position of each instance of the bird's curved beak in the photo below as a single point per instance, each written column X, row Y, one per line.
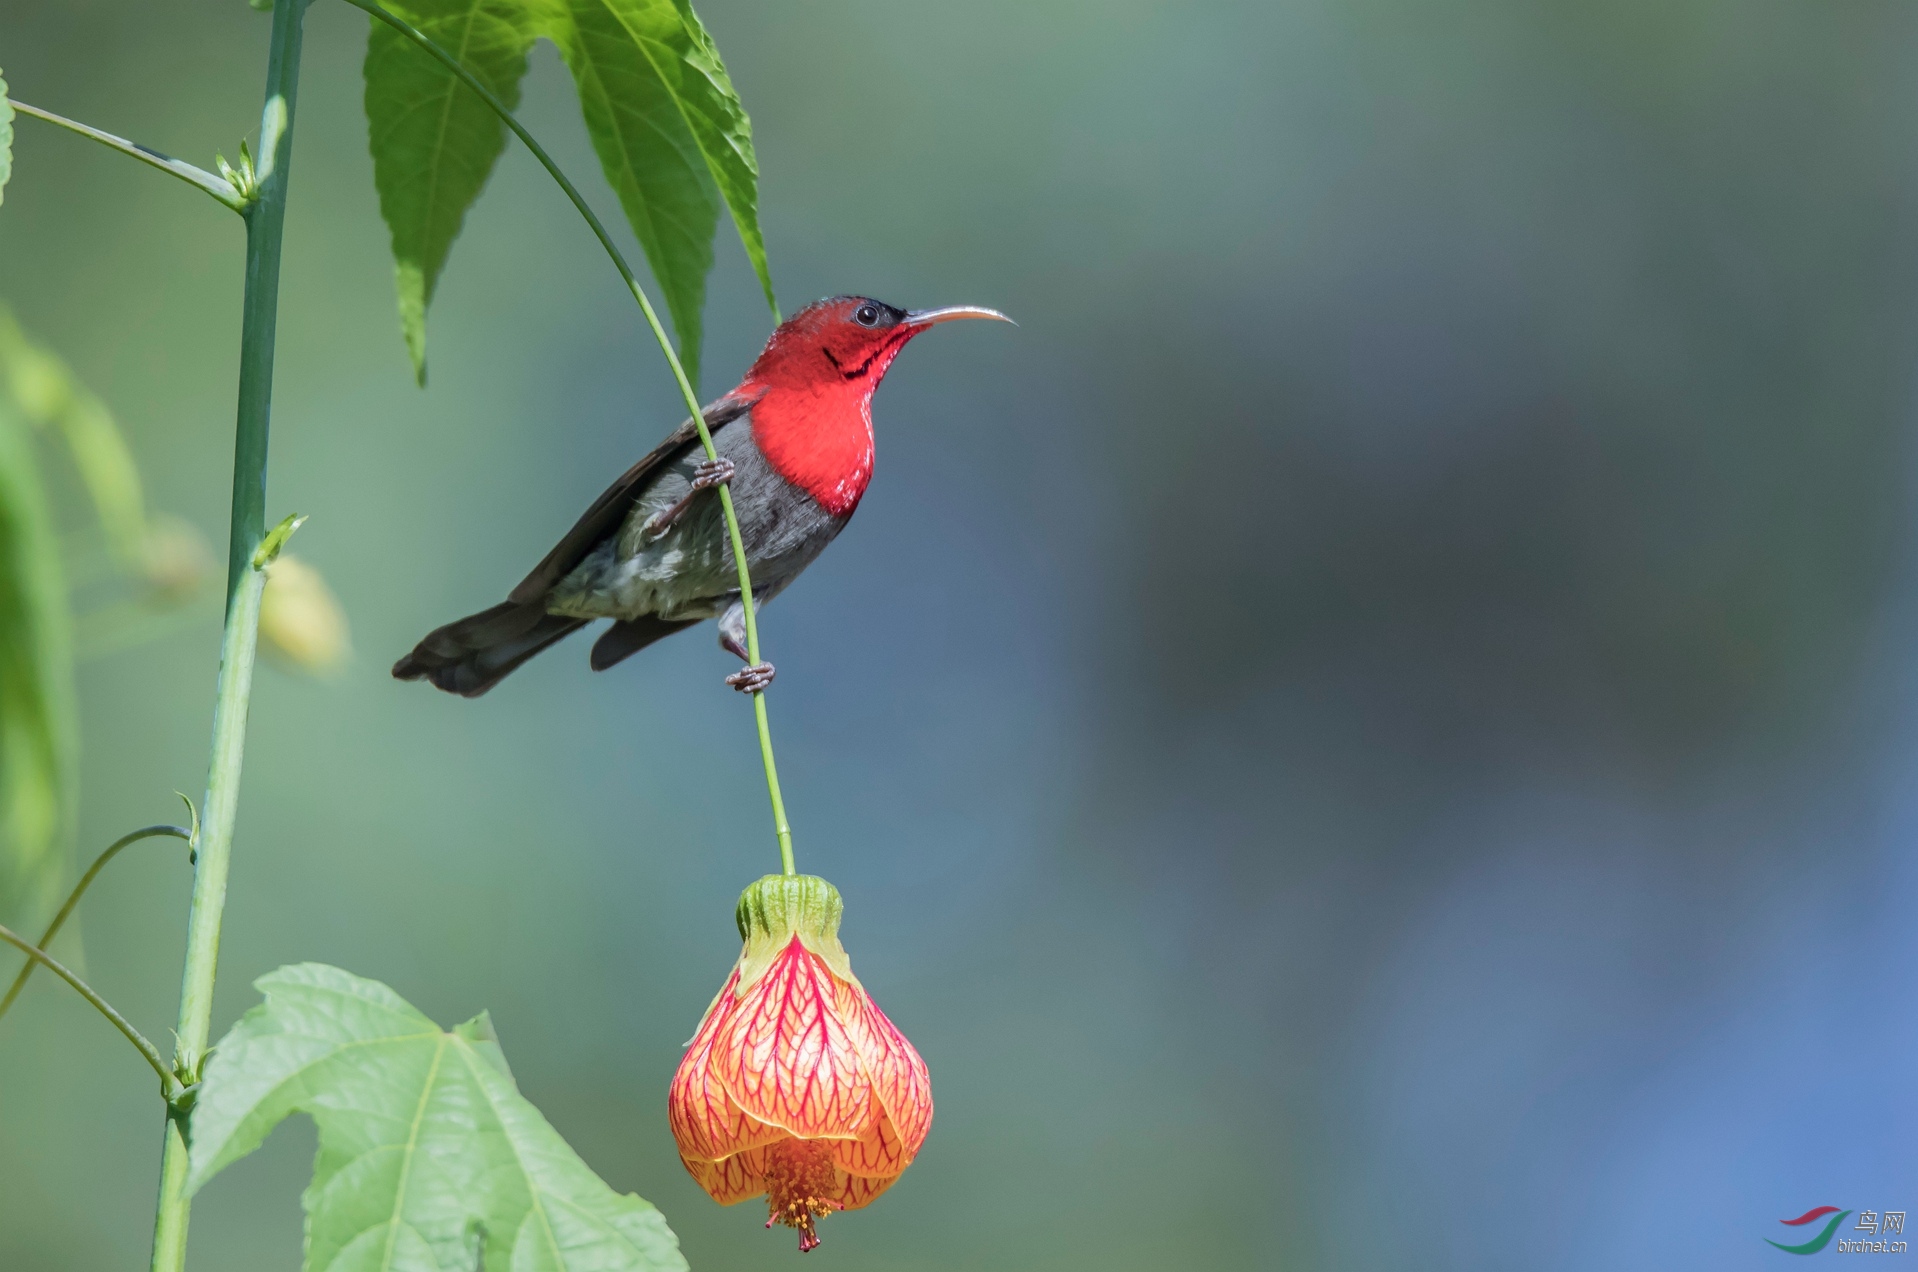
column 927, row 317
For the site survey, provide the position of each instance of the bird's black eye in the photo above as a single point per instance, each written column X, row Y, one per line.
column 867, row 316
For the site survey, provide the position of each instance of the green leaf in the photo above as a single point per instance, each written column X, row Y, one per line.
column 725, row 135
column 37, row 723
column 429, row 1156
column 671, row 136
column 6, row 139
column 46, row 391
column 434, row 141
column 669, row 130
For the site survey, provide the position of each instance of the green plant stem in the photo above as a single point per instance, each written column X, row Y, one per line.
column 168, row 1084
column 246, row 577
column 80, row 890
column 199, row 178
column 781, row 828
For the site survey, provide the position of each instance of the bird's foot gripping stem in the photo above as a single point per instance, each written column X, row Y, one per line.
column 732, row 638
column 714, row 472
column 752, row 679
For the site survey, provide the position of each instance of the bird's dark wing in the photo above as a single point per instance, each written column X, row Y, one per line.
column 609, row 511
column 628, row 636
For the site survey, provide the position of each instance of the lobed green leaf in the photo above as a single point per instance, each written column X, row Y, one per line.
column 434, row 141
column 725, row 135
column 669, row 130
column 429, row 1159
column 671, row 137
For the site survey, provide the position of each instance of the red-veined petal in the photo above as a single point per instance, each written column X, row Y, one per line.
column 878, row 1154
column 898, row 1074
column 735, row 1179
column 706, row 1123
column 785, row 1057
column 860, row 1190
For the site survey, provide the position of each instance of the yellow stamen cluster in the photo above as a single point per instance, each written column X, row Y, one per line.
column 799, row 1177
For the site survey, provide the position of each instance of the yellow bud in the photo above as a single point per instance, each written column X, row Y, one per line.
column 301, row 622
column 175, row 560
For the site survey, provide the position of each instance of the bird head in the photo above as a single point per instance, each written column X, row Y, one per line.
column 847, row 342
column 812, row 390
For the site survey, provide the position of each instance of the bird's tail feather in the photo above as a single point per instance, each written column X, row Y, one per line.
column 470, row 656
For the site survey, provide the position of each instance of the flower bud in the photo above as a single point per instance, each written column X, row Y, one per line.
column 300, row 619
column 796, row 1086
column 175, row 560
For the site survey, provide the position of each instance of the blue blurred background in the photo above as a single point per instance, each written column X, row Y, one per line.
column 1377, row 730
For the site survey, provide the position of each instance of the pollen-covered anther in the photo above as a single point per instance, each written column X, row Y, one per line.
column 799, row 1181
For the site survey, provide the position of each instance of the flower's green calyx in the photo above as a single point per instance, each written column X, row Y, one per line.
column 775, row 910
column 781, row 905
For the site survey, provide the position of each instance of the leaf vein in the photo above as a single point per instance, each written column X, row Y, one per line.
column 412, row 1145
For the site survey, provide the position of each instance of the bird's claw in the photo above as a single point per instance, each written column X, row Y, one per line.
column 714, row 472
column 752, row 679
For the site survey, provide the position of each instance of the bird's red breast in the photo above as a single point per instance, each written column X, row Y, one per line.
column 820, row 440
column 813, row 385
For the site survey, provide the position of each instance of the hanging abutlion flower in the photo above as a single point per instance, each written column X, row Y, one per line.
column 796, row 1085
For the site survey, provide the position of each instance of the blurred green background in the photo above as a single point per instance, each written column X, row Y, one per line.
column 1376, row 730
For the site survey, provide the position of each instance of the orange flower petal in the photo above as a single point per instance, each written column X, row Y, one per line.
column 860, row 1191
column 878, row 1154
column 706, row 1123
column 736, row 1179
column 898, row 1074
column 743, row 1177
column 785, row 1057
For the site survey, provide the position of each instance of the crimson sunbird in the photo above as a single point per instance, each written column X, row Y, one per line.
column 796, row 447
